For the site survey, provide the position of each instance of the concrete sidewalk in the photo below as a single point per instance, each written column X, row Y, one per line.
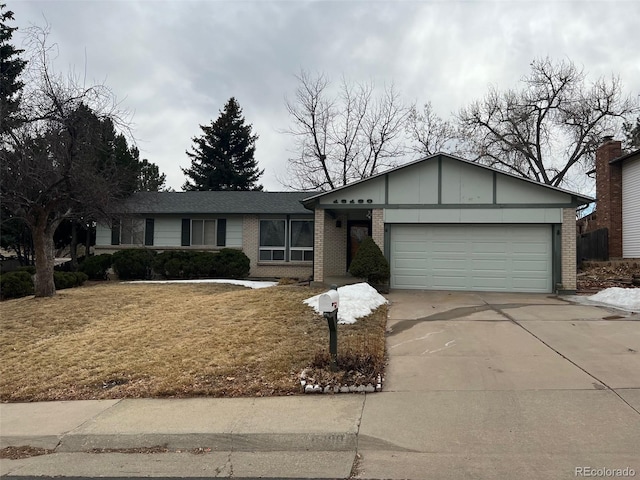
column 281, row 434
column 495, row 386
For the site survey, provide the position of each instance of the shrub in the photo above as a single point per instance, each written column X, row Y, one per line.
column 96, row 266
column 370, row 263
column 31, row 270
column 134, row 263
column 16, row 284
column 64, row 280
column 81, row 277
column 176, row 264
column 227, row 263
column 231, row 263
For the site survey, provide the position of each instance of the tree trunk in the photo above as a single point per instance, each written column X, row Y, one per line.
column 73, row 247
column 87, row 249
column 43, row 243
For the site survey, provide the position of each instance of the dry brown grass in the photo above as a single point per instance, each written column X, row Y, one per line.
column 117, row 340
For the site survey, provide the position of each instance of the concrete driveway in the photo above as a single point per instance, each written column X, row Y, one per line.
column 489, row 385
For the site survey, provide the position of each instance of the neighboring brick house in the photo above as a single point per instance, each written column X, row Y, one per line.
column 618, row 200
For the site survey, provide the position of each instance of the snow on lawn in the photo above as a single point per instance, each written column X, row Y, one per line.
column 243, row 283
column 356, row 301
column 625, row 298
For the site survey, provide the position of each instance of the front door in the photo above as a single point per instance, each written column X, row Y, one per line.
column 358, row 230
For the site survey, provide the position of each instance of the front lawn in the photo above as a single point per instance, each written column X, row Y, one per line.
column 116, row 340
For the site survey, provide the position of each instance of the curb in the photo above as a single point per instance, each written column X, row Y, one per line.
column 238, row 442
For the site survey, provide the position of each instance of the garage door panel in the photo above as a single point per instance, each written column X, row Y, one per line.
column 412, row 281
column 411, row 264
column 489, row 248
column 449, row 264
column 472, row 257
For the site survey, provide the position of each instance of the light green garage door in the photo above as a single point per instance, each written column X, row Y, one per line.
column 507, row 258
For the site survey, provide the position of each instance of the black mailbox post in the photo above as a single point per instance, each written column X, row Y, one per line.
column 329, row 303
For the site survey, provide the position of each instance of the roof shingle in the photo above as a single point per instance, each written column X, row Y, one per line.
column 217, row 202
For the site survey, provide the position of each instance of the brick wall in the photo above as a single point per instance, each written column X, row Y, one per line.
column 250, row 246
column 377, row 227
column 318, row 248
column 335, row 246
column 609, row 194
column 568, row 249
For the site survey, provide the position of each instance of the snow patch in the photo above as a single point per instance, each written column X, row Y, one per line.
column 356, row 301
column 243, row 283
column 625, row 298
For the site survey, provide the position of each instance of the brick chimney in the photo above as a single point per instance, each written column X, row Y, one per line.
column 609, row 193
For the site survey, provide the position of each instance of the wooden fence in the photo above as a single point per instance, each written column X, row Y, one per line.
column 593, row 245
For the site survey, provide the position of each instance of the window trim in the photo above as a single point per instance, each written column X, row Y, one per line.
column 300, row 249
column 215, row 232
column 272, row 248
column 140, row 222
column 286, row 248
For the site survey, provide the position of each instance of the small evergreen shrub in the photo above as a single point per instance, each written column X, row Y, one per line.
column 175, row 264
column 64, row 280
column 227, row 263
column 231, row 263
column 81, row 277
column 133, row 263
column 96, row 266
column 370, row 263
column 31, row 270
column 16, row 284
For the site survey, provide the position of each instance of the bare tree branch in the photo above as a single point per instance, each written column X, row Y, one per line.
column 342, row 137
column 552, row 123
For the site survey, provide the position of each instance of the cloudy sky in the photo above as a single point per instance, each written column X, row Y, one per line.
column 175, row 63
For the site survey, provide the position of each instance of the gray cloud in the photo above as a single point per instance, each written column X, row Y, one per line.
column 175, row 64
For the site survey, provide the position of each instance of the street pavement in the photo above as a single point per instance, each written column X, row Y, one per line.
column 479, row 385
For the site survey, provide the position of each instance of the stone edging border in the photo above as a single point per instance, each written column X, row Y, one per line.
column 317, row 388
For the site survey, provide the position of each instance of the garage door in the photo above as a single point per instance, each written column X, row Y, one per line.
column 508, row 258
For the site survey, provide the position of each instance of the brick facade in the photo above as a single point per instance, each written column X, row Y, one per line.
column 377, row 227
column 335, row 246
column 318, row 247
column 568, row 249
column 608, row 212
column 250, row 246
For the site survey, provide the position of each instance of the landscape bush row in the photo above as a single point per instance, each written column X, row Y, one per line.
column 135, row 264
column 19, row 283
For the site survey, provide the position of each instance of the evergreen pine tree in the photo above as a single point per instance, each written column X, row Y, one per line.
column 11, row 67
column 223, row 157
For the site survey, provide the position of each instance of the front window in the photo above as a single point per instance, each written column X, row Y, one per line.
column 301, row 240
column 203, row 232
column 272, row 239
column 132, row 231
column 286, row 240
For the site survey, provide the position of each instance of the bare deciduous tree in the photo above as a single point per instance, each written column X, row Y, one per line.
column 430, row 133
column 551, row 124
column 344, row 137
column 51, row 166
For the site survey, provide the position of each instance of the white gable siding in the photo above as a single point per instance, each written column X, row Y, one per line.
column 476, row 215
column 464, row 184
column 417, row 184
column 631, row 209
column 371, row 191
column 513, row 191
